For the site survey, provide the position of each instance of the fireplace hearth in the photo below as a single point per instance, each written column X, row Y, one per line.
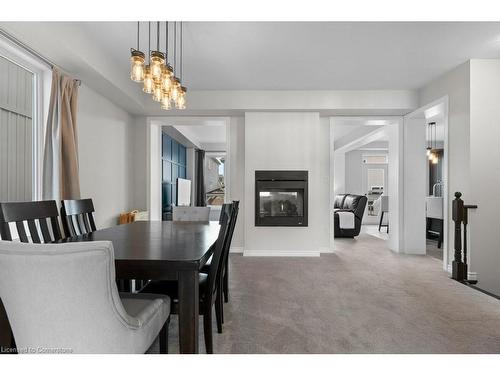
column 281, row 198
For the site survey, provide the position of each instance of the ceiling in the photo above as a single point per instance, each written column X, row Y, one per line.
column 268, row 55
column 203, row 134
column 312, row 55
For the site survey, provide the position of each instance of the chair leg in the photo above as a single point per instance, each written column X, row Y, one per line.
column 380, row 222
column 164, row 337
column 226, row 281
column 218, row 311
column 207, row 330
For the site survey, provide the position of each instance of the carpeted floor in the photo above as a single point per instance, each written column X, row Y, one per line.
column 361, row 299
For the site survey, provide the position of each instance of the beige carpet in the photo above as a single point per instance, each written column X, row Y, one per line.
column 362, row 299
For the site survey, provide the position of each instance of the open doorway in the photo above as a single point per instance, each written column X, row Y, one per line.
column 188, row 154
column 363, row 167
column 426, row 181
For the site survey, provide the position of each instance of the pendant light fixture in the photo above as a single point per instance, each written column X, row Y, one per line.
column 148, row 86
column 158, row 77
column 137, row 59
column 435, row 158
column 429, row 137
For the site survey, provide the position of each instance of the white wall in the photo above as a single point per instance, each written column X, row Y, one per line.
column 236, row 139
column 456, row 85
column 288, row 141
column 414, row 171
column 485, row 172
column 106, row 137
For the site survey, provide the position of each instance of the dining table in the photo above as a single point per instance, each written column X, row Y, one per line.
column 163, row 250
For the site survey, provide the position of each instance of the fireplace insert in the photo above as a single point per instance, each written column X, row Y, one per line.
column 281, row 198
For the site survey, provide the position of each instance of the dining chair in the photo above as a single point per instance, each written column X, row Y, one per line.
column 224, row 280
column 62, row 298
column 208, row 285
column 77, row 216
column 42, row 215
column 190, row 213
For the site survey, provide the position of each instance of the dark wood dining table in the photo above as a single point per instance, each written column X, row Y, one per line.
column 163, row 250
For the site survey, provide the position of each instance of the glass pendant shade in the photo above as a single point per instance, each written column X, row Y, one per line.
column 165, row 101
column 148, row 85
column 157, row 92
column 176, row 89
column 137, row 66
column 166, row 77
column 156, row 61
column 428, row 151
column 435, row 159
column 180, row 103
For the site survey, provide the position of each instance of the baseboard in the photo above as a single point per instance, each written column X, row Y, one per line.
column 325, row 250
column 237, row 250
column 280, row 253
column 470, row 275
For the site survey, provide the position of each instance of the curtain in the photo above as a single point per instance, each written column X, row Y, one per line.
column 60, row 159
column 200, row 178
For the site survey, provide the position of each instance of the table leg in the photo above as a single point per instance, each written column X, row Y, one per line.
column 188, row 311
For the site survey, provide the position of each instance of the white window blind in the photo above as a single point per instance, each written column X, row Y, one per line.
column 16, row 132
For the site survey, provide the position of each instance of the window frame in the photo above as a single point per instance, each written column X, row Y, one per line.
column 42, row 77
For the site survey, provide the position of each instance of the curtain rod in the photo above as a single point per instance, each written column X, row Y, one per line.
column 31, row 51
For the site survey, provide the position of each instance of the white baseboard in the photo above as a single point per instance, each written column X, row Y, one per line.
column 325, row 250
column 470, row 275
column 237, row 250
column 280, row 253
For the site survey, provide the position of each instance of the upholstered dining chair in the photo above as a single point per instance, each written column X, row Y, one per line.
column 77, row 216
column 208, row 284
column 190, row 213
column 63, row 298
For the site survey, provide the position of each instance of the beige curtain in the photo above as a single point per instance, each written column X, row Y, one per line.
column 60, row 160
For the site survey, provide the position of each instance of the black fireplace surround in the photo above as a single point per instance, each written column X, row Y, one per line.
column 281, row 198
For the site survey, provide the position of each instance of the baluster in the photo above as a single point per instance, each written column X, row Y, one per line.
column 458, row 267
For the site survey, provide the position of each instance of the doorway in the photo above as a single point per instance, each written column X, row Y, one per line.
column 426, row 181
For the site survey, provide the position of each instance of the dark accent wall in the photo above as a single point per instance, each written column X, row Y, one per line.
column 173, row 166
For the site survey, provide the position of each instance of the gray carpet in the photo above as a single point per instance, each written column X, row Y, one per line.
column 362, row 299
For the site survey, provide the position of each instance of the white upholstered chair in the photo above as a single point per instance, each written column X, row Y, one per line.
column 190, row 213
column 64, row 297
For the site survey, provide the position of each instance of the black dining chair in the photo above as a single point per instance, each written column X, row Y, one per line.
column 77, row 216
column 43, row 213
column 223, row 288
column 209, row 284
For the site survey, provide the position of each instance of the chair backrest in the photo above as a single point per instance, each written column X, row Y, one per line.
column 356, row 203
column 190, row 213
column 52, row 302
column 227, row 244
column 217, row 256
column 339, row 200
column 78, row 216
column 38, row 216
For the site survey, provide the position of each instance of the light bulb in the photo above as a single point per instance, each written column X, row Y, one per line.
column 176, row 89
column 157, row 60
column 165, row 101
column 435, row 159
column 137, row 66
column 157, row 92
column 166, row 77
column 148, row 85
column 180, row 103
column 428, row 151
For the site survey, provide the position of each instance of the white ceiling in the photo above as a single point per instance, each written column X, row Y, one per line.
column 314, row 55
column 268, row 55
column 203, row 134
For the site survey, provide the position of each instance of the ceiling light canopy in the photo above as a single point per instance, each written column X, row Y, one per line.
column 158, row 77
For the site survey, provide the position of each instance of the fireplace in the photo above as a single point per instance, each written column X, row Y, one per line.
column 281, row 198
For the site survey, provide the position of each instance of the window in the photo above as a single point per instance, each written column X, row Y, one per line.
column 17, row 133
column 214, row 178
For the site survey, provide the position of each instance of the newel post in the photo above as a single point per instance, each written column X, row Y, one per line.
column 458, row 266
